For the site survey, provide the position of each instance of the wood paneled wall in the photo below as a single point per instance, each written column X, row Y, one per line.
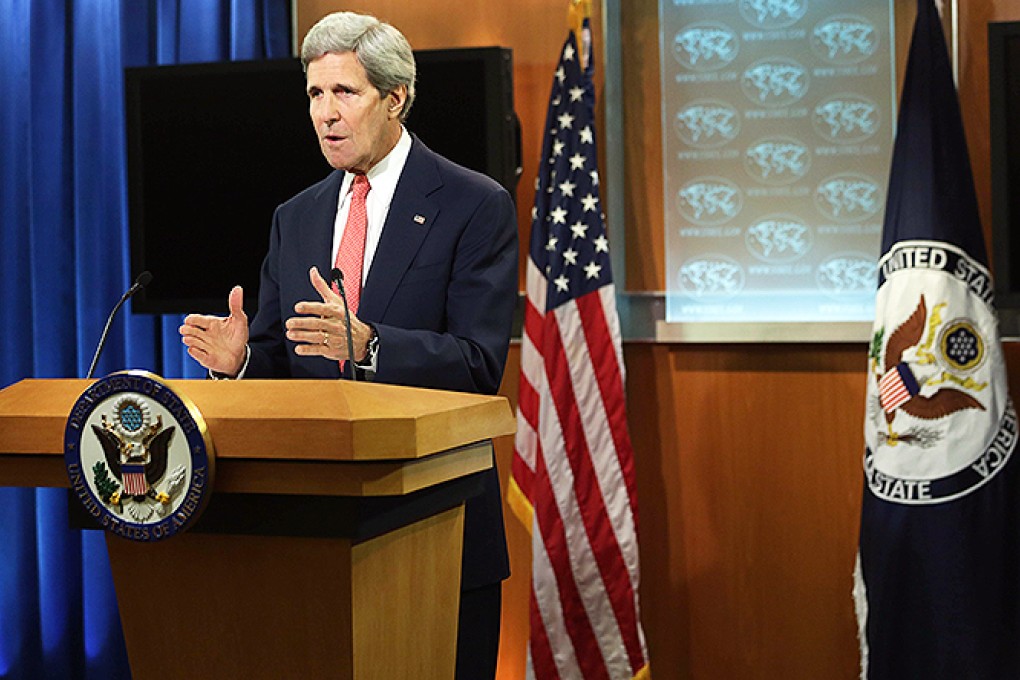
column 973, row 87
column 748, row 457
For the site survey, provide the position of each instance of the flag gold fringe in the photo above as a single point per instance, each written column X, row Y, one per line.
column 520, row 505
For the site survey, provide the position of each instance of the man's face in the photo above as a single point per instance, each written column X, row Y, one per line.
column 356, row 124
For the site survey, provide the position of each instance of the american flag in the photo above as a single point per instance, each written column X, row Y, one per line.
column 573, row 467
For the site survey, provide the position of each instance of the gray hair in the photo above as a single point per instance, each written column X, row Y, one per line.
column 381, row 49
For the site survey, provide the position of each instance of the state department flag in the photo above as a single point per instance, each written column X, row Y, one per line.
column 938, row 568
column 573, row 468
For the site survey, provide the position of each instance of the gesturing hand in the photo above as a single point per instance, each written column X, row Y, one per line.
column 217, row 342
column 322, row 330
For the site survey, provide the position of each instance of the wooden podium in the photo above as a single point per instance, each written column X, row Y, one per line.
column 331, row 546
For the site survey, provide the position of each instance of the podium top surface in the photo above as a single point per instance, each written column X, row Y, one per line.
column 312, row 420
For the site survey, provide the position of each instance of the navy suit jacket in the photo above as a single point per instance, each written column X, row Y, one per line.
column 440, row 293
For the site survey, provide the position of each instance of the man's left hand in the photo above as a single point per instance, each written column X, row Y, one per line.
column 321, row 329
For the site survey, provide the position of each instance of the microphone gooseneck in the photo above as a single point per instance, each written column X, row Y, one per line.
column 337, row 277
column 144, row 279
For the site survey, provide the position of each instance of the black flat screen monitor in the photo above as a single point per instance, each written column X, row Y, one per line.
column 1004, row 100
column 214, row 148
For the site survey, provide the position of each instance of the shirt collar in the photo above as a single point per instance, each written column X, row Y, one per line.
column 384, row 175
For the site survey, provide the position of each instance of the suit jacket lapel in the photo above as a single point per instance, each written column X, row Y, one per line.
column 410, row 217
column 315, row 229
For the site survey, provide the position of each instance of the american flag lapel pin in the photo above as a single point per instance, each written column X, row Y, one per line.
column 419, row 219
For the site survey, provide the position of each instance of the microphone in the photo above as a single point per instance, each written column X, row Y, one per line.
column 337, row 277
column 144, row 279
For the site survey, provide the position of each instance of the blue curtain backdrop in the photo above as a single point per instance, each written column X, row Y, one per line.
column 63, row 265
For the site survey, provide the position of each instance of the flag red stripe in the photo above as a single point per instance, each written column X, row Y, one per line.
column 527, row 409
column 528, row 402
column 533, row 323
column 541, row 652
column 524, row 477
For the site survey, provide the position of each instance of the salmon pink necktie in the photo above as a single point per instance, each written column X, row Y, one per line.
column 351, row 255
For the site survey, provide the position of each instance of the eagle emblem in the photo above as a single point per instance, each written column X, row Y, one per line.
column 139, row 458
column 135, row 450
column 912, row 354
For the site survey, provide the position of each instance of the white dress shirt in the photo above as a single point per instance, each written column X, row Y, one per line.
column 382, row 178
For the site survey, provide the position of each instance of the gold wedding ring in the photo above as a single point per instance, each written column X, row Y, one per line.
column 325, row 338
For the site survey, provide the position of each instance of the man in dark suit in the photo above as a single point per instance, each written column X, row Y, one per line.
column 431, row 275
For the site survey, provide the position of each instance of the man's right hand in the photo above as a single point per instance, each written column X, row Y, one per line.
column 216, row 342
